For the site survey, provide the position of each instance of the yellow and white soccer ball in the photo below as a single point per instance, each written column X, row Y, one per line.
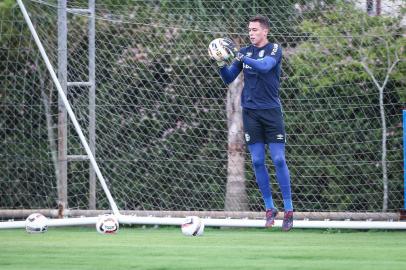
column 36, row 223
column 192, row 226
column 107, row 224
column 218, row 51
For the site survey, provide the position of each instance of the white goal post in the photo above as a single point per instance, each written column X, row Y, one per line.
column 168, row 137
column 68, row 108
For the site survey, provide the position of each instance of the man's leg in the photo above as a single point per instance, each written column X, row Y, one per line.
column 254, row 137
column 282, row 175
column 257, row 151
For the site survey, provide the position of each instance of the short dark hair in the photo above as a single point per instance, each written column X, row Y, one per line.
column 263, row 21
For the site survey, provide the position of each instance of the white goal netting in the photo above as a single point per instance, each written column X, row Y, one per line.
column 163, row 115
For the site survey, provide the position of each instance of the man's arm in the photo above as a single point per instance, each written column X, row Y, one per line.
column 265, row 64
column 228, row 74
column 262, row 65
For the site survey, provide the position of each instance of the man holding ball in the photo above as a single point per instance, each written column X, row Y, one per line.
column 262, row 113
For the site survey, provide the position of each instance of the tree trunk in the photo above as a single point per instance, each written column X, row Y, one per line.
column 384, row 150
column 236, row 194
column 381, row 89
column 50, row 123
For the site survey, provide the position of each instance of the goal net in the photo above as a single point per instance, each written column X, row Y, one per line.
column 166, row 132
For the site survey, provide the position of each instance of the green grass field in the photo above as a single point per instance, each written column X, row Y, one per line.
column 167, row 248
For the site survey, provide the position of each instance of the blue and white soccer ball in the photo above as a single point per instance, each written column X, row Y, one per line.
column 36, row 223
column 192, row 226
column 218, row 51
column 107, row 224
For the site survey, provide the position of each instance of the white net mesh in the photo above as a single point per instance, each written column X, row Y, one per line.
column 161, row 107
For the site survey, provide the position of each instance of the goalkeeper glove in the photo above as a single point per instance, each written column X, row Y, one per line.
column 239, row 57
column 230, row 46
column 219, row 63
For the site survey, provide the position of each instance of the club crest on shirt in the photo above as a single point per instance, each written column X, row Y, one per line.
column 247, row 137
column 275, row 49
column 261, row 53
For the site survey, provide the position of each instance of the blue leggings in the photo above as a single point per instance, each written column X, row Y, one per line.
column 277, row 151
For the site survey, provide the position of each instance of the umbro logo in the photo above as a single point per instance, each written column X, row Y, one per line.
column 279, row 137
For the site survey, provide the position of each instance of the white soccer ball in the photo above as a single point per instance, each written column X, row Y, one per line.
column 218, row 51
column 36, row 223
column 192, row 226
column 107, row 224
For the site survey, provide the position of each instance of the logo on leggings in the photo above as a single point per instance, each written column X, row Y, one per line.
column 247, row 137
column 279, row 137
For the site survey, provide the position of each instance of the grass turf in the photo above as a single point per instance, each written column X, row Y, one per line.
column 167, row 248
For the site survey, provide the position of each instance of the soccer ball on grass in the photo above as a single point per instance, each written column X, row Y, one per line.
column 36, row 223
column 192, row 226
column 107, row 224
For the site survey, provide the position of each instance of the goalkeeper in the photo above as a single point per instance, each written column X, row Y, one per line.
column 262, row 112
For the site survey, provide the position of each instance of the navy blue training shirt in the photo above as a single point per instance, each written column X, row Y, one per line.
column 262, row 69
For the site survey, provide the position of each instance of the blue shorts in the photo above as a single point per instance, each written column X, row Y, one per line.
column 264, row 126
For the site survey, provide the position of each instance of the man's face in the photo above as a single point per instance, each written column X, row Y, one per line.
column 257, row 33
